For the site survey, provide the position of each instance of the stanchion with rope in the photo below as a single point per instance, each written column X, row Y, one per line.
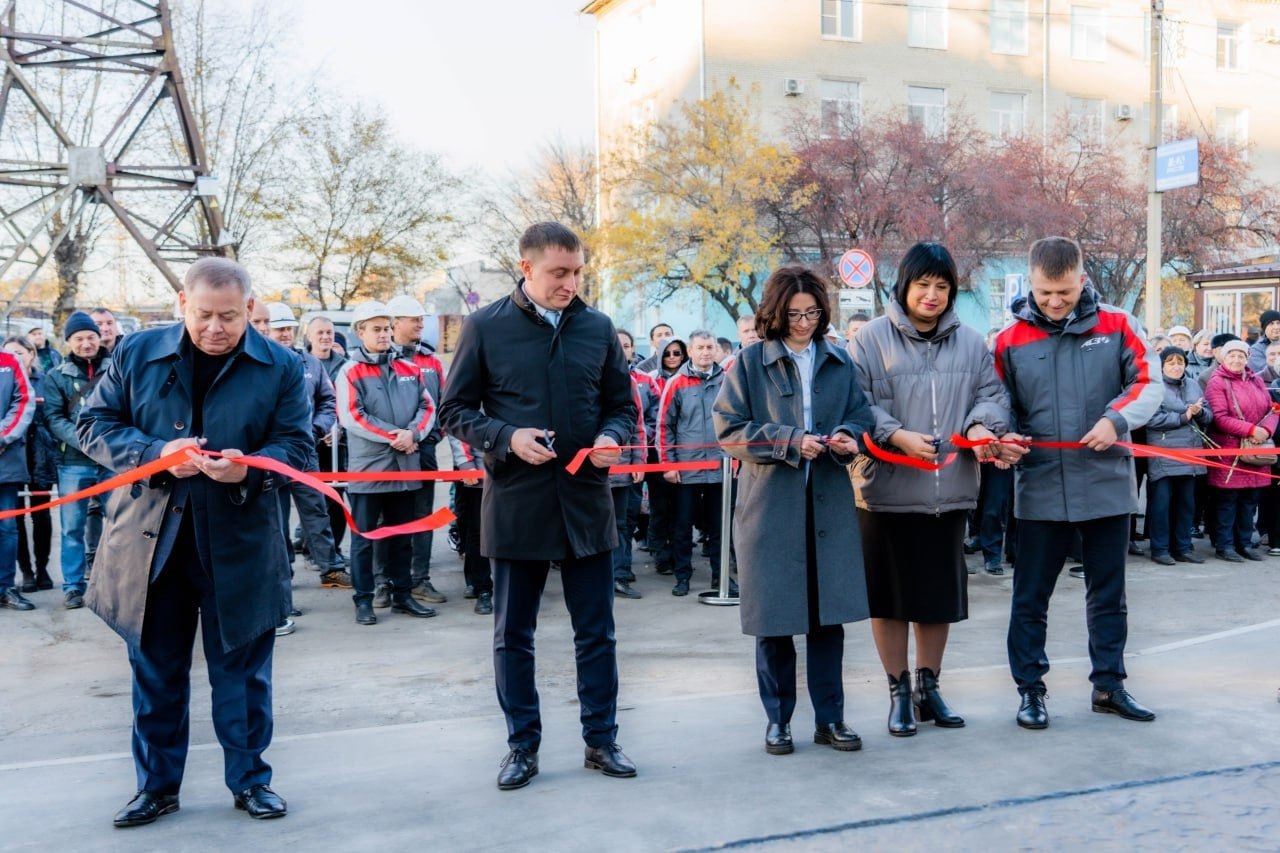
column 721, row 597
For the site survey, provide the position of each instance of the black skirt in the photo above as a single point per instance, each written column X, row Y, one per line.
column 915, row 566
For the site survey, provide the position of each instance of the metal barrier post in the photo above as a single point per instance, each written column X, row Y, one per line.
column 334, row 436
column 720, row 597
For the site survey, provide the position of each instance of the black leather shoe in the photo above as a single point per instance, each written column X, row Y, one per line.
column 1163, row 559
column 1135, row 550
column 1119, row 701
column 1189, row 557
column 994, row 568
column 777, row 739
column 73, row 600
column 43, row 581
column 929, row 704
column 902, row 718
column 261, row 803
column 837, row 736
column 28, row 583
column 621, row 589
column 408, row 604
column 13, row 599
column 1229, row 556
column 609, row 760
column 484, row 604
column 681, row 588
column 1251, row 554
column 518, row 769
column 144, row 808
column 364, row 613
column 469, row 592
column 1032, row 713
column 665, row 569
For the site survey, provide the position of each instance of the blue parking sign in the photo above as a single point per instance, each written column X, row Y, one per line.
column 1177, row 164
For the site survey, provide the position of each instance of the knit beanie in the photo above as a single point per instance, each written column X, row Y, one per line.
column 1232, row 346
column 1223, row 338
column 79, row 322
column 1171, row 352
column 1268, row 317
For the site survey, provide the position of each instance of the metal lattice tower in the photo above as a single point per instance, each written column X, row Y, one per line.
column 95, row 121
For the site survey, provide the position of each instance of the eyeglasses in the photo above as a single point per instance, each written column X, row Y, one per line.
column 811, row 315
column 673, row 354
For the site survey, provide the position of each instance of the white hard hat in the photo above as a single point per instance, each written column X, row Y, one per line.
column 405, row 306
column 281, row 315
column 367, row 311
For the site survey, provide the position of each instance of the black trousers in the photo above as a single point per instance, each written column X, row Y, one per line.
column 1042, row 552
column 475, row 568
column 337, row 522
column 41, row 534
column 588, row 595
column 693, row 500
column 381, row 509
column 424, row 503
column 824, row 653
column 240, row 680
column 661, row 517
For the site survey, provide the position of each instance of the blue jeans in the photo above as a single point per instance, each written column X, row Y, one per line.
column 1171, row 503
column 73, row 478
column 8, row 535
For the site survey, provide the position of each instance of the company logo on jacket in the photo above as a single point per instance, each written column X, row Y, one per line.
column 1093, row 342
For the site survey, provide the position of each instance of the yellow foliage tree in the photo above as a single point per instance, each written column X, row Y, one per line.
column 684, row 199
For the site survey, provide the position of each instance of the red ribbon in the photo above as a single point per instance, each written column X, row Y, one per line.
column 435, row 521
column 905, row 461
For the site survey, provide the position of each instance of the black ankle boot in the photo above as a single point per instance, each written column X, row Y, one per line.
column 28, row 582
column 929, row 702
column 902, row 722
column 43, row 581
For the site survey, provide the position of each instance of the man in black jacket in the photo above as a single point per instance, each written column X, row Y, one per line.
column 538, row 376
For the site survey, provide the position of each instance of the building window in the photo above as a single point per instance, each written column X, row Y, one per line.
column 842, row 19
column 927, row 24
column 841, row 107
column 927, row 107
column 997, row 310
column 1232, row 126
column 1086, row 115
column 1008, row 114
column 1088, row 33
column 1230, row 46
column 1169, row 121
column 1009, row 26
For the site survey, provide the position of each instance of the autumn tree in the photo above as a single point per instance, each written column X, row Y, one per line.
column 687, row 201
column 362, row 212
column 559, row 186
column 886, row 182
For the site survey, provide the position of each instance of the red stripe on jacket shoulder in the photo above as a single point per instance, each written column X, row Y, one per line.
column 1118, row 321
column 1019, row 334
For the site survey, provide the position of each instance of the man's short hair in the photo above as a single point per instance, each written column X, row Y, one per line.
column 859, row 318
column 630, row 336
column 1274, row 345
column 725, row 343
column 747, row 318
column 1055, row 257
column 541, row 235
column 702, row 333
column 656, row 326
column 217, row 273
column 101, row 309
column 319, row 317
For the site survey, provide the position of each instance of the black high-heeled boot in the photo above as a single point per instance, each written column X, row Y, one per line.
column 929, row 702
column 902, row 719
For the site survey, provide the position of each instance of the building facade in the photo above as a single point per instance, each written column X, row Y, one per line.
column 1014, row 66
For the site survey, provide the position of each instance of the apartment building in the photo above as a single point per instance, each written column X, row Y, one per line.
column 1015, row 66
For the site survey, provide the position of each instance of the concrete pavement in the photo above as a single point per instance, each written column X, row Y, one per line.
column 389, row 737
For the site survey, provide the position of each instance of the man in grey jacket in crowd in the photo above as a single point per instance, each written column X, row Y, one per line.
column 1077, row 371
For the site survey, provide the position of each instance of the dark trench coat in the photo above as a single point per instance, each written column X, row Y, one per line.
column 762, row 401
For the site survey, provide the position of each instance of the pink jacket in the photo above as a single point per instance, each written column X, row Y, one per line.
column 1228, row 427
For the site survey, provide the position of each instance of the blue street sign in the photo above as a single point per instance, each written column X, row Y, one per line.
column 1177, row 164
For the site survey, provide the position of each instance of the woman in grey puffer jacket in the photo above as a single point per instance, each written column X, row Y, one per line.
column 1171, row 484
column 927, row 376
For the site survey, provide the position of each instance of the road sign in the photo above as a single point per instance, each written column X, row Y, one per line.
column 1177, row 164
column 857, row 300
column 472, row 298
column 1013, row 288
column 856, row 268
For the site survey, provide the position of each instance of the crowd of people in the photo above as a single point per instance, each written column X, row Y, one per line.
column 860, row 469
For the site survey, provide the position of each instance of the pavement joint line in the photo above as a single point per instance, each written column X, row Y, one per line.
column 204, row 747
column 1011, row 802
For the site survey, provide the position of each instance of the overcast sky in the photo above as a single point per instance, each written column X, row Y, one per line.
column 483, row 83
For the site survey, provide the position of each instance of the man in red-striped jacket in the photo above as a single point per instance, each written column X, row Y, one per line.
column 384, row 406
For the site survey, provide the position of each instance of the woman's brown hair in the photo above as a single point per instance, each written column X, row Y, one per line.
column 784, row 283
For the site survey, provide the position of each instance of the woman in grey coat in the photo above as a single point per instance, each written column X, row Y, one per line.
column 928, row 377
column 792, row 412
column 1171, row 499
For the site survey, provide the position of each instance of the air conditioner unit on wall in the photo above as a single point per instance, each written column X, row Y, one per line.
column 1125, row 112
column 793, row 86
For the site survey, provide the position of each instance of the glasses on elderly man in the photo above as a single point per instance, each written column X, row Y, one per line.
column 810, row 315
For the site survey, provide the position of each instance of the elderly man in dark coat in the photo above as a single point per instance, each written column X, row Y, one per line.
column 201, row 539
column 537, row 377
